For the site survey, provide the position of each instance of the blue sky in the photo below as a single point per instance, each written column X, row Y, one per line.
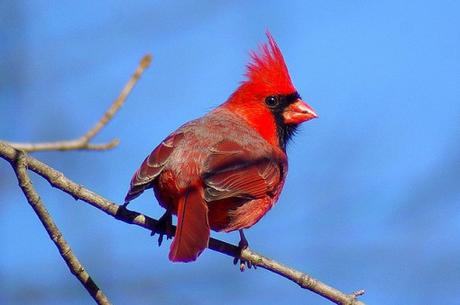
column 371, row 201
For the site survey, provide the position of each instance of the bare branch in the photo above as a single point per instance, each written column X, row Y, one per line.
column 82, row 143
column 304, row 280
column 77, row 269
column 58, row 180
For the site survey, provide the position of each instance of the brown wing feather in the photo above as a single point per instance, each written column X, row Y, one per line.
column 233, row 171
column 152, row 166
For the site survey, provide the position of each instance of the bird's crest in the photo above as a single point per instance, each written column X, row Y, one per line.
column 267, row 70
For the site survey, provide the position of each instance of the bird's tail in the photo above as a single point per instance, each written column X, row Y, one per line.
column 192, row 233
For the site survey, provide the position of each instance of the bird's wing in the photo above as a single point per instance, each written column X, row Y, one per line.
column 152, row 166
column 235, row 171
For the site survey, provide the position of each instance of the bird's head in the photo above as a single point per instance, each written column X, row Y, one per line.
column 267, row 99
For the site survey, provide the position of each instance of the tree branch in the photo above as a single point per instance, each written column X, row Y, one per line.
column 58, row 180
column 83, row 143
column 76, row 268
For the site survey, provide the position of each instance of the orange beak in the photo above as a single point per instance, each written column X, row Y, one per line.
column 298, row 112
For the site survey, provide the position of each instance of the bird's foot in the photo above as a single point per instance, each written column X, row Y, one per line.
column 163, row 227
column 243, row 263
column 243, row 244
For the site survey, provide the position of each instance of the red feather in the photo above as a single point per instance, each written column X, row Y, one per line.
column 268, row 71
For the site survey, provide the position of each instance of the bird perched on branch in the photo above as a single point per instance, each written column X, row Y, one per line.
column 225, row 170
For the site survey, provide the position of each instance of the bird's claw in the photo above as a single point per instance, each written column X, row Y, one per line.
column 243, row 244
column 243, row 263
column 160, row 236
column 163, row 227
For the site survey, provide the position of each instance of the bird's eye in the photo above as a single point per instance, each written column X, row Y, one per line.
column 271, row 101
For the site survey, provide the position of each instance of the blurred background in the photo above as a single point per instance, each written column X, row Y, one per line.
column 372, row 197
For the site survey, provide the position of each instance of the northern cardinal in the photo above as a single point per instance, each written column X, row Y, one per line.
column 225, row 170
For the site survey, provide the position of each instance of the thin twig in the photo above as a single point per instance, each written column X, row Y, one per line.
column 20, row 167
column 83, row 143
column 58, row 180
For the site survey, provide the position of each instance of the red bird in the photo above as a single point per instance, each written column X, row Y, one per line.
column 225, row 170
